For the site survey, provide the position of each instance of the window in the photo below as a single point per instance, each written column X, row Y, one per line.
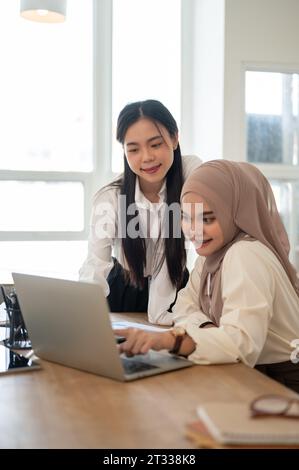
column 46, row 144
column 42, row 206
column 272, row 118
column 272, row 101
column 59, row 104
column 46, row 91
column 146, row 58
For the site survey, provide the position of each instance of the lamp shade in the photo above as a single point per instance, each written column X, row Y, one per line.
column 45, row 11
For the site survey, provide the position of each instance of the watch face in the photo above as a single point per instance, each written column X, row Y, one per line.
column 179, row 331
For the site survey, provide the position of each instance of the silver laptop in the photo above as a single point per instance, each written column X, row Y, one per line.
column 69, row 323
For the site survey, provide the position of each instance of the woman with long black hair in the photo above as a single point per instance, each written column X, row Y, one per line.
column 136, row 248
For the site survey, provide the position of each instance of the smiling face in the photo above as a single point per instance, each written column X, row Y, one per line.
column 200, row 225
column 149, row 151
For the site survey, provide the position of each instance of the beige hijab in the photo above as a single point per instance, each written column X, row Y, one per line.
column 244, row 205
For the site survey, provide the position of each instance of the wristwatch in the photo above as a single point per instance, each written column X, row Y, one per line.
column 178, row 332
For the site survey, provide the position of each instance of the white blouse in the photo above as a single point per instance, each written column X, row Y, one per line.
column 260, row 315
column 103, row 241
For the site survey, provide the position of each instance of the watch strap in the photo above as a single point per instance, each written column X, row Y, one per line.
column 177, row 344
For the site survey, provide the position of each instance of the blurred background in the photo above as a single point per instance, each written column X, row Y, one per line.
column 228, row 70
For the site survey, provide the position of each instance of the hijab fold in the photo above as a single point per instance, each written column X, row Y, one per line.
column 244, row 205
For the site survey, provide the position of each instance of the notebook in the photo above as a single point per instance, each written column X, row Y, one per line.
column 231, row 423
column 69, row 323
column 197, row 432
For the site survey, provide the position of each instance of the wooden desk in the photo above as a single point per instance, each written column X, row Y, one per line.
column 59, row 407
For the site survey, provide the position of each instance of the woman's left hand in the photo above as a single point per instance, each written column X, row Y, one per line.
column 139, row 341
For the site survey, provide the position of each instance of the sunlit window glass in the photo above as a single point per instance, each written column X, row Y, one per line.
column 42, row 206
column 287, row 199
column 46, row 90
column 50, row 258
column 272, row 117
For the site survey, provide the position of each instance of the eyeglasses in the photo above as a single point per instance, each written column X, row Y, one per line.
column 275, row 405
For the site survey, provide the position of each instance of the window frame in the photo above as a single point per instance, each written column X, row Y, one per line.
column 102, row 121
column 47, row 176
column 102, row 31
column 279, row 172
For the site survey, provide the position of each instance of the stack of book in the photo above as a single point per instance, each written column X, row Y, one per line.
column 230, row 426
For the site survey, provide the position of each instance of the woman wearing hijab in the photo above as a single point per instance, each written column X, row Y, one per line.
column 241, row 303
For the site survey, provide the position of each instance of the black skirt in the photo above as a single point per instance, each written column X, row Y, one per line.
column 287, row 373
column 124, row 297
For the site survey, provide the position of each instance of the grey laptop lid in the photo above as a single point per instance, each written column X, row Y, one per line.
column 69, row 323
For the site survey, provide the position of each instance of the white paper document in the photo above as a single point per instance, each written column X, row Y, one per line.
column 141, row 326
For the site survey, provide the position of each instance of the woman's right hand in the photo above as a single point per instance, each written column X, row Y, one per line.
column 139, row 341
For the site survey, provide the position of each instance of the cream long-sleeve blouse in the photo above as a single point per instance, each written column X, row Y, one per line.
column 260, row 315
column 104, row 240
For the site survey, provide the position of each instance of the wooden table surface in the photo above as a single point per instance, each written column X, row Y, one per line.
column 60, row 407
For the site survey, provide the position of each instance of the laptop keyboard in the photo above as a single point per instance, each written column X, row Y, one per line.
column 133, row 366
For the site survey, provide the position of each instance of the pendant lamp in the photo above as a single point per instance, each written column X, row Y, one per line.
column 44, row 11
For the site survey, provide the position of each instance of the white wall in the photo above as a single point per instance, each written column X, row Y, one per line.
column 228, row 36
column 260, row 33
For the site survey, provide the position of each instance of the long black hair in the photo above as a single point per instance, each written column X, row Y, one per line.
column 135, row 249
